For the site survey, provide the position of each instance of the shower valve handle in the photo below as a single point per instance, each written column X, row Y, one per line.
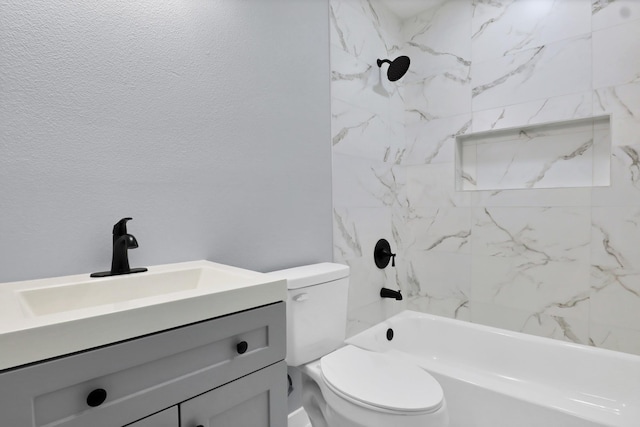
column 382, row 254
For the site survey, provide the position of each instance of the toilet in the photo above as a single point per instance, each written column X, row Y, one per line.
column 343, row 385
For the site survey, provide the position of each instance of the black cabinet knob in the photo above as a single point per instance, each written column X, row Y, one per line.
column 97, row 397
column 242, row 347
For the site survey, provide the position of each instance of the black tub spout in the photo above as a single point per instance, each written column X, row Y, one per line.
column 388, row 293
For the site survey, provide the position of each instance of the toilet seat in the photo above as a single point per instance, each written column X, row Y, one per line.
column 377, row 381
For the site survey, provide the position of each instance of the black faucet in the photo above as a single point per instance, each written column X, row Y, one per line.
column 388, row 293
column 122, row 242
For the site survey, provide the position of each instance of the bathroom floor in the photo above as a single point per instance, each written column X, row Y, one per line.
column 298, row 419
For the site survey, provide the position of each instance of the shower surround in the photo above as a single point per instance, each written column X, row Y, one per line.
column 561, row 262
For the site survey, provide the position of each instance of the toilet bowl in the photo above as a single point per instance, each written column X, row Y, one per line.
column 343, row 385
column 359, row 388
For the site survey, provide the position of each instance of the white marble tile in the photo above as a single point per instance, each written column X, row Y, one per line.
column 497, row 316
column 533, row 197
column 440, row 38
column 615, row 297
column 438, row 274
column 566, row 107
column 608, row 13
column 566, row 328
column 362, row 85
column 547, row 233
column 356, row 231
column 433, row 258
column 439, row 95
column 556, row 69
column 625, row 179
column 614, row 338
column 433, row 185
column 365, row 281
column 421, row 67
column 615, row 55
column 531, row 258
column 531, row 283
column 466, row 166
column 364, row 317
column 546, row 156
column 507, row 27
column 542, row 162
column 601, row 157
column 557, row 327
column 350, row 77
column 433, row 141
column 359, row 182
column 623, row 103
column 428, row 229
column 363, row 29
column 615, row 272
column 361, row 133
column 455, row 308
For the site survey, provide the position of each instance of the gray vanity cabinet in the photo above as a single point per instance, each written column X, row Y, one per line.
column 252, row 401
column 122, row 383
column 167, row 418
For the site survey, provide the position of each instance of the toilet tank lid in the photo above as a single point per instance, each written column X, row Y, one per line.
column 310, row 275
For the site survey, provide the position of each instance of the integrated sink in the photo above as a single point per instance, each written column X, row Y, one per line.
column 122, row 289
column 46, row 318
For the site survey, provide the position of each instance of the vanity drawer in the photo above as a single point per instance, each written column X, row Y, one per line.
column 120, row 383
column 167, row 418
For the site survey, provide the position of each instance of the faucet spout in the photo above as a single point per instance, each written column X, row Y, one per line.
column 120, row 229
column 389, row 293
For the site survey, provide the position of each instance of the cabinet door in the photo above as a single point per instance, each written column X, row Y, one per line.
column 257, row 400
column 166, row 418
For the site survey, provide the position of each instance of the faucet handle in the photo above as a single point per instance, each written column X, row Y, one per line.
column 120, row 228
column 382, row 254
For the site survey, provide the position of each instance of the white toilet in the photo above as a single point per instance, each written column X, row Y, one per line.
column 345, row 386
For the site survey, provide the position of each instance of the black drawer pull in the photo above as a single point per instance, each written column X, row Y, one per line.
column 242, row 347
column 97, row 397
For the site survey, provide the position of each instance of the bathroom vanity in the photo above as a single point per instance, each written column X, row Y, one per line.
column 225, row 370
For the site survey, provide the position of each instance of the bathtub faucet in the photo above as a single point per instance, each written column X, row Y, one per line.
column 388, row 293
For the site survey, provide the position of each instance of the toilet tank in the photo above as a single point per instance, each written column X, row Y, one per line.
column 316, row 310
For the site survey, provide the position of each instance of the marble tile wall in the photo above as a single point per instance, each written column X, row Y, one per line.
column 558, row 262
column 368, row 136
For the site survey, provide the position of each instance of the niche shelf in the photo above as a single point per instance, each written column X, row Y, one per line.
column 571, row 153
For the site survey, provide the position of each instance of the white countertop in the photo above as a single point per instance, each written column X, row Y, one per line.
column 28, row 335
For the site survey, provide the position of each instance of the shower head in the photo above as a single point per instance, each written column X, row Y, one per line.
column 397, row 68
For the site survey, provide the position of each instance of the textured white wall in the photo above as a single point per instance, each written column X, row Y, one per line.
column 206, row 121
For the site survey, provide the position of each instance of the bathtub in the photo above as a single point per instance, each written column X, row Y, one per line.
column 497, row 378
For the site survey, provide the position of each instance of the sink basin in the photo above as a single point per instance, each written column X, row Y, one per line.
column 122, row 289
column 41, row 319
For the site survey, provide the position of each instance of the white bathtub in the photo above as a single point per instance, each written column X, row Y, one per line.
column 496, row 378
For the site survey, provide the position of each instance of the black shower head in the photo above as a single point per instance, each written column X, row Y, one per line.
column 397, row 68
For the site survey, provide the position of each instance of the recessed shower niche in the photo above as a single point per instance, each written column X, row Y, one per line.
column 572, row 153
